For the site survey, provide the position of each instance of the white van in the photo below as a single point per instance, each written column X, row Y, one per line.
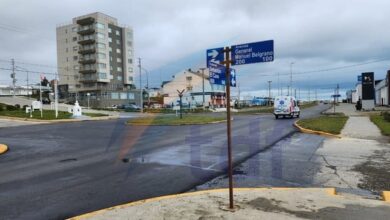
column 286, row 106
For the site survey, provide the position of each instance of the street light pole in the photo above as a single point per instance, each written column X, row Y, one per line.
column 291, row 76
column 203, row 100
column 269, row 92
column 140, row 85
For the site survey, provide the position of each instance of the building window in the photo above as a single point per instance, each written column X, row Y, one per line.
column 129, row 34
column 130, row 78
column 75, row 58
column 189, row 78
column 130, row 61
column 111, row 68
column 76, row 67
column 110, row 40
column 119, row 69
column 130, row 69
column 102, row 65
column 110, row 49
column 117, row 41
column 100, row 25
column 101, row 45
column 101, row 55
column 66, row 31
column 119, row 78
column 109, row 30
column 74, row 29
column 129, row 44
column 119, row 60
column 123, row 95
column 117, row 32
column 189, row 88
column 130, row 52
column 100, row 35
column 118, row 50
column 114, row 95
column 102, row 75
column 67, row 59
column 74, row 38
column 75, row 48
column 66, row 40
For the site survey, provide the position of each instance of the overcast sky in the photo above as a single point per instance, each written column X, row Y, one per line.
column 172, row 35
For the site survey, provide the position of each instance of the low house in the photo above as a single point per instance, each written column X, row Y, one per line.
column 382, row 92
column 197, row 90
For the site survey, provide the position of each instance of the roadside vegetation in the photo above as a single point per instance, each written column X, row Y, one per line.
column 188, row 119
column 382, row 121
column 330, row 123
column 18, row 112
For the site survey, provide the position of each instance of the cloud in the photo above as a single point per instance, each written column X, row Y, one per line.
column 172, row 35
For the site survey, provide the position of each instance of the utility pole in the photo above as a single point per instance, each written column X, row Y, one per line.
column 56, row 96
column 269, row 92
column 28, row 90
column 13, row 76
column 278, row 86
column 337, row 92
column 291, row 76
column 315, row 95
column 288, row 90
column 295, row 93
column 203, row 100
column 309, row 94
column 239, row 91
column 140, row 85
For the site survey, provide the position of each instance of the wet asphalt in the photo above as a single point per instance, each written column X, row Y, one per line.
column 56, row 171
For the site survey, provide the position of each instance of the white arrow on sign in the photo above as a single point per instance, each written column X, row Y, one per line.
column 213, row 54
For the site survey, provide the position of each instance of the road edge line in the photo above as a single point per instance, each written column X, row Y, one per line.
column 309, row 131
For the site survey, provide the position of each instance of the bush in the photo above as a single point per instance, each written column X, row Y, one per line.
column 25, row 106
column 17, row 106
column 386, row 116
column 11, row 108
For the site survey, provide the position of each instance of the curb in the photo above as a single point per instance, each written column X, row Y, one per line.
column 3, row 148
column 60, row 120
column 309, row 131
column 329, row 191
column 386, row 196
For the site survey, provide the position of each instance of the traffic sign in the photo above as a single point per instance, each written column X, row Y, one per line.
column 217, row 73
column 359, row 78
column 233, row 81
column 215, row 55
column 336, row 96
column 257, row 52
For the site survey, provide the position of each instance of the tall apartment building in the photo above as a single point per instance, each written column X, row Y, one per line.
column 95, row 57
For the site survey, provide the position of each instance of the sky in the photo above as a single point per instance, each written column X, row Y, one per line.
column 329, row 42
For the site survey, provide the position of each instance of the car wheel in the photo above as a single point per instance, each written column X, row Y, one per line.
column 276, row 116
column 298, row 115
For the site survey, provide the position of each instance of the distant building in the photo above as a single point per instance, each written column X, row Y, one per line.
column 6, row 90
column 382, row 91
column 95, row 57
column 192, row 84
column 357, row 93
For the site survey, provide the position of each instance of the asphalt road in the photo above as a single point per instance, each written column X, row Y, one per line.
column 55, row 171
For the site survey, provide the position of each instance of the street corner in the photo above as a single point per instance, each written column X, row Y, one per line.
column 309, row 131
column 3, row 148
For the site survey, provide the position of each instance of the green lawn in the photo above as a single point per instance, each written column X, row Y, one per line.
column 94, row 114
column 47, row 114
column 175, row 120
column 330, row 123
column 382, row 124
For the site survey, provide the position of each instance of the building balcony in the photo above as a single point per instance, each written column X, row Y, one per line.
column 86, row 21
column 87, row 60
column 89, row 78
column 88, row 39
column 87, row 49
column 85, row 30
column 84, row 69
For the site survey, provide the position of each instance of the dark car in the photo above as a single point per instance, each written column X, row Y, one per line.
column 131, row 107
column 46, row 100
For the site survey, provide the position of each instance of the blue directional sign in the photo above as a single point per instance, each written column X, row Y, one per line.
column 257, row 52
column 215, row 55
column 359, row 78
column 233, row 81
column 217, row 73
column 336, row 96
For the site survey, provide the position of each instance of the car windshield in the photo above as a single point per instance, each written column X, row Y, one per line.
column 175, row 109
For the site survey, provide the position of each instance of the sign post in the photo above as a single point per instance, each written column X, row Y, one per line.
column 181, row 96
column 236, row 55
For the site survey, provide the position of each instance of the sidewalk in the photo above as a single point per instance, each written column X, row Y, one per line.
column 366, row 150
column 250, row 203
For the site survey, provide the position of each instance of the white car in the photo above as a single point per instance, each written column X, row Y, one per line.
column 286, row 106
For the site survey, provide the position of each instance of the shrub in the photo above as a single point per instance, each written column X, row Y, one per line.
column 25, row 106
column 386, row 116
column 17, row 106
column 11, row 108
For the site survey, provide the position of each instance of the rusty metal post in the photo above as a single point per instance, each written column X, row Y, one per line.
column 229, row 125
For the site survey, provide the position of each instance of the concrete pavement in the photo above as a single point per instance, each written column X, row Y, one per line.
column 255, row 203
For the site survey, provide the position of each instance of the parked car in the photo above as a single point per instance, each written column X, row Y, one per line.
column 131, row 107
column 46, row 100
column 286, row 106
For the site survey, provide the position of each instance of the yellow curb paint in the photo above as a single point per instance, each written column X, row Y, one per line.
column 330, row 191
column 3, row 148
column 386, row 196
column 309, row 131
